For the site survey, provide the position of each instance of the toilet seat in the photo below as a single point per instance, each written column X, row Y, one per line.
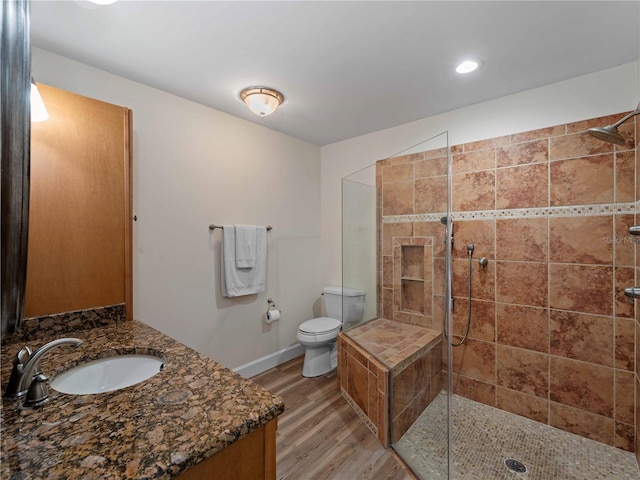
column 320, row 326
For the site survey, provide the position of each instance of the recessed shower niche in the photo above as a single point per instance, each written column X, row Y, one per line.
column 412, row 283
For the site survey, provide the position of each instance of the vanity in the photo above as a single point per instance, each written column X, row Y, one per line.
column 192, row 420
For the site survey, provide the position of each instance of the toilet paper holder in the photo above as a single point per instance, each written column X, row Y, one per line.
column 272, row 314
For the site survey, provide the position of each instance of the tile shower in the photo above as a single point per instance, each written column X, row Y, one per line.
column 553, row 337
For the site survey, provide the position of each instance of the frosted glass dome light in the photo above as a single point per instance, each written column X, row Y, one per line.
column 261, row 100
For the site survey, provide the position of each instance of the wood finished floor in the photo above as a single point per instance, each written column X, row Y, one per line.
column 319, row 436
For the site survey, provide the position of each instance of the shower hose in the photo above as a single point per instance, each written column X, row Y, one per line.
column 466, row 331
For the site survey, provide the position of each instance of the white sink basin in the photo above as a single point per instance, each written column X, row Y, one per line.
column 107, row 374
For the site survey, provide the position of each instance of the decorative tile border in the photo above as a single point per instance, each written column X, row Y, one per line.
column 568, row 211
column 363, row 416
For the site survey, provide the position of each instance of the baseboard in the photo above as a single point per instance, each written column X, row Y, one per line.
column 267, row 362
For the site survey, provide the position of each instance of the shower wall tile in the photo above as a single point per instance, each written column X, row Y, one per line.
column 523, row 370
column 522, row 239
column 431, row 195
column 397, row 198
column 580, row 422
column 489, row 143
column 581, row 181
column 483, row 326
column 624, row 243
column 475, row 359
column 392, row 230
column 624, row 277
column 584, row 125
column 570, row 243
column 522, row 153
column 549, row 314
column 582, row 385
column 482, row 281
column 625, row 343
column 624, row 436
column 480, row 233
column 576, row 145
column 431, row 167
column 581, row 288
column 397, row 173
column 522, row 283
column 522, row 404
column 522, row 186
column 581, row 336
column 624, row 398
column 542, row 133
column 625, row 176
column 474, row 191
column 474, row 389
column 524, row 327
column 473, row 161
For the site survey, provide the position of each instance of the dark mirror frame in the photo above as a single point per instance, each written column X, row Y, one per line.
column 15, row 137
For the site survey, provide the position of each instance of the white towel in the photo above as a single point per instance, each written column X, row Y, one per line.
column 246, row 245
column 242, row 281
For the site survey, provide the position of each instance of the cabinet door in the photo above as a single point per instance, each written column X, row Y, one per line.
column 80, row 210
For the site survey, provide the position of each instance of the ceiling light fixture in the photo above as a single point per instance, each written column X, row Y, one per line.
column 468, row 66
column 261, row 100
column 103, row 2
column 38, row 110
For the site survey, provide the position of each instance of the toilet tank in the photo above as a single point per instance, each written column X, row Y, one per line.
column 353, row 300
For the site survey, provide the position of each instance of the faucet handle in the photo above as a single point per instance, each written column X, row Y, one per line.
column 38, row 391
column 19, row 362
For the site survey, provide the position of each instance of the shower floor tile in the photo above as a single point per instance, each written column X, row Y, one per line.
column 484, row 437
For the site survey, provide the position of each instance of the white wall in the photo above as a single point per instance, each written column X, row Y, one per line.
column 602, row 93
column 194, row 166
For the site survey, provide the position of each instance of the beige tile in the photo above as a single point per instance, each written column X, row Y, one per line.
column 582, row 385
column 542, row 133
column 624, row 243
column 582, row 337
column 474, row 161
column 624, row 343
column 523, row 370
column 576, row 145
column 580, row 422
column 581, row 288
column 475, row 359
column 581, row 240
column 624, row 306
column 431, row 195
column 482, row 281
column 625, row 176
column 474, row 191
column 522, row 404
column 524, row 327
column 523, row 283
column 431, row 167
column 480, row 233
column 397, row 173
column 523, row 186
column 582, row 181
column 624, row 396
column 474, row 389
column 482, row 326
column 523, row 153
column 488, row 143
column 522, row 239
column 397, row 198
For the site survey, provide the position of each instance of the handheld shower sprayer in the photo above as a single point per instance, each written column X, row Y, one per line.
column 610, row 133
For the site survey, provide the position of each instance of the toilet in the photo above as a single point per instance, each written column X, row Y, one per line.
column 319, row 335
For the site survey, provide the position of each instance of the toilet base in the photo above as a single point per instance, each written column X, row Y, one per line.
column 320, row 360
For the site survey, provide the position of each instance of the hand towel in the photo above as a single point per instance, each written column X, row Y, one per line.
column 246, row 245
column 242, row 281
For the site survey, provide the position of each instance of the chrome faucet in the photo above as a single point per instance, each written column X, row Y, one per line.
column 26, row 377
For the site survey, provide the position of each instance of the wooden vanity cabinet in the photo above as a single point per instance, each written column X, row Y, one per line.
column 253, row 457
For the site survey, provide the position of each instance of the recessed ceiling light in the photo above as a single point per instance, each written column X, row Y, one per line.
column 103, row 2
column 468, row 66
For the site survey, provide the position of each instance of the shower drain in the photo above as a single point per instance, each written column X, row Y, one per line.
column 515, row 465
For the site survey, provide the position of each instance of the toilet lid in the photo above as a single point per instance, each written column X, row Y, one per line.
column 320, row 325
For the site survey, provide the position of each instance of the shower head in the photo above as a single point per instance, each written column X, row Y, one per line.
column 610, row 133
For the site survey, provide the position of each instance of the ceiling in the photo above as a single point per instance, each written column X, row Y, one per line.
column 345, row 68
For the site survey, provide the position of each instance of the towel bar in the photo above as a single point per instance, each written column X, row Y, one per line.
column 213, row 226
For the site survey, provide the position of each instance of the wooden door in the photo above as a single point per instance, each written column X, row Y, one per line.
column 79, row 253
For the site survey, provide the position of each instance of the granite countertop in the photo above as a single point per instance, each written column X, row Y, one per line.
column 159, row 428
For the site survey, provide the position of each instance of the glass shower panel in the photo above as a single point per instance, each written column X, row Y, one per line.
column 395, row 247
column 415, row 220
column 359, row 236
